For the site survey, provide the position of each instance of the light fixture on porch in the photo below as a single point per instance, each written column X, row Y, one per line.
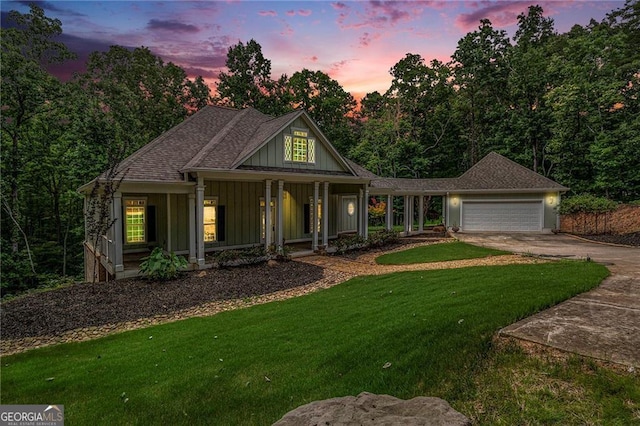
column 551, row 200
column 454, row 201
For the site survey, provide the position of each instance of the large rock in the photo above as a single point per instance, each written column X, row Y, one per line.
column 370, row 409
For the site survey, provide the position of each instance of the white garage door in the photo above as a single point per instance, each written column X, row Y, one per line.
column 502, row 216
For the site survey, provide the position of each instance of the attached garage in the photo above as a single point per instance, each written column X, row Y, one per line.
column 524, row 216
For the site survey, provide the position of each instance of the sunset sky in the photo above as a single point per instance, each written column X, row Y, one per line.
column 355, row 42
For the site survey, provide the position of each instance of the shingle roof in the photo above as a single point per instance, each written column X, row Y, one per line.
column 215, row 138
column 163, row 158
column 493, row 173
column 219, row 138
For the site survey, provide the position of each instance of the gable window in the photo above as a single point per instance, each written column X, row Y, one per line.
column 209, row 219
column 299, row 147
column 135, row 221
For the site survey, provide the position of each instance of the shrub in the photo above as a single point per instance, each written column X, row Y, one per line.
column 237, row 257
column 383, row 238
column 586, row 203
column 160, row 265
column 379, row 238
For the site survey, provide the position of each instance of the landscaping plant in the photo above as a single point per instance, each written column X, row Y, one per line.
column 160, row 265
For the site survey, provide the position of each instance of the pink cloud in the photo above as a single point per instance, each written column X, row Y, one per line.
column 366, row 39
column 503, row 14
column 378, row 14
column 268, row 13
column 301, row 12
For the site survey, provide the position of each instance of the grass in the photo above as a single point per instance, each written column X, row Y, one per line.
column 455, row 250
column 550, row 387
column 253, row 365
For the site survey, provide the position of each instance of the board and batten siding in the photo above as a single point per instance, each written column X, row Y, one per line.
column 179, row 222
column 241, row 201
column 272, row 153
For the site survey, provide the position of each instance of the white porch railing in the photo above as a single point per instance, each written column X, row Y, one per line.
column 107, row 251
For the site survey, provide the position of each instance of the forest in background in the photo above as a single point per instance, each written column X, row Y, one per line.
column 565, row 105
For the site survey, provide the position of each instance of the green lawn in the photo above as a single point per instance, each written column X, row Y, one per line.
column 455, row 250
column 253, row 365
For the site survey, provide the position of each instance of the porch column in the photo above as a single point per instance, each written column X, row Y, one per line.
column 406, row 215
column 389, row 214
column 365, row 212
column 325, row 215
column 268, row 220
column 200, row 220
column 421, row 214
column 360, row 207
column 118, row 265
column 169, row 222
column 280, row 226
column 314, row 215
column 192, row 228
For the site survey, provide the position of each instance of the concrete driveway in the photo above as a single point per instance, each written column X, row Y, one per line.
column 603, row 323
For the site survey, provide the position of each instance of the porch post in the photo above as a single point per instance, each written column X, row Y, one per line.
column 169, row 222
column 406, row 215
column 280, row 225
column 117, row 230
column 200, row 220
column 314, row 215
column 325, row 215
column 192, row 228
column 421, row 214
column 267, row 215
column 365, row 212
column 360, row 207
column 389, row 214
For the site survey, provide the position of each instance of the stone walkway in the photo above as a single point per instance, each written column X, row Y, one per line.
column 336, row 269
column 603, row 323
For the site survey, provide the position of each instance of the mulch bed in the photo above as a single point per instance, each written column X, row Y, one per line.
column 55, row 312
column 631, row 239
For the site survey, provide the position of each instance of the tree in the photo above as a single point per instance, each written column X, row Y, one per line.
column 27, row 92
column 143, row 93
column 480, row 65
column 527, row 127
column 248, row 81
column 595, row 107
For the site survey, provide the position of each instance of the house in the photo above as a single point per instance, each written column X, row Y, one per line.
column 227, row 178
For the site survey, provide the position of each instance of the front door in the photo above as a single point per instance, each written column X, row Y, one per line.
column 349, row 213
column 263, row 220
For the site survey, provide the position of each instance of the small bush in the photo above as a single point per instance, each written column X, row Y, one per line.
column 379, row 238
column 162, row 266
column 383, row 238
column 586, row 203
column 237, row 257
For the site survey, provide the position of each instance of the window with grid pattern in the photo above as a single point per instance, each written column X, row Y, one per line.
column 209, row 216
column 135, row 221
column 299, row 148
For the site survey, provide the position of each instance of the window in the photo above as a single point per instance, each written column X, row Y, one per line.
column 135, row 221
column 314, row 216
column 209, row 218
column 300, row 148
